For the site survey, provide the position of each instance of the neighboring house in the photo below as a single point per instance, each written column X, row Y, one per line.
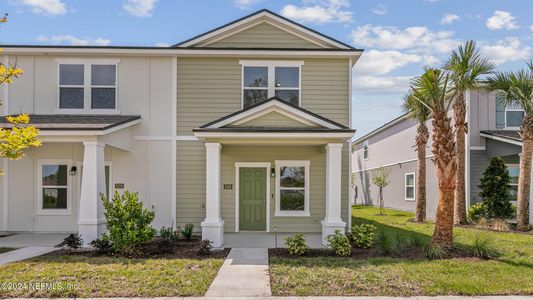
column 243, row 128
column 492, row 131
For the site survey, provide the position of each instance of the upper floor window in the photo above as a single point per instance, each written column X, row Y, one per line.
column 365, row 150
column 88, row 86
column 265, row 79
column 508, row 117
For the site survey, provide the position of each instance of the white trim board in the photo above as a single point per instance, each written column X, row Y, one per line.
column 393, row 164
column 173, row 150
column 293, row 163
column 500, row 139
column 267, row 167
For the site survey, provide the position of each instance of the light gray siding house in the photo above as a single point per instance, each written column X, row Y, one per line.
column 492, row 131
column 243, row 128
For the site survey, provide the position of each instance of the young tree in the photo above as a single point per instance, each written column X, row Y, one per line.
column 466, row 66
column 431, row 89
column 495, row 190
column 420, row 113
column 19, row 136
column 380, row 178
column 517, row 88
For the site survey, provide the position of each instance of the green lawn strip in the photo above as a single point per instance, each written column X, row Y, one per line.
column 511, row 273
column 111, row 277
column 4, row 249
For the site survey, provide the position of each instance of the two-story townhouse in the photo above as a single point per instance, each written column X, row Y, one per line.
column 492, row 132
column 243, row 128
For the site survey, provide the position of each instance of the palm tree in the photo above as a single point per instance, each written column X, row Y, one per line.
column 466, row 66
column 431, row 89
column 418, row 111
column 517, row 88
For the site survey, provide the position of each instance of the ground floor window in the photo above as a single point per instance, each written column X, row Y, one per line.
column 410, row 186
column 292, row 188
column 514, row 171
column 53, row 187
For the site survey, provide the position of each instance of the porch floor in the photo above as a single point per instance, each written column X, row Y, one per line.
column 266, row 239
column 34, row 239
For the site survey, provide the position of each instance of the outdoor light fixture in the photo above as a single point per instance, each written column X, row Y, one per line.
column 272, row 172
column 72, row 171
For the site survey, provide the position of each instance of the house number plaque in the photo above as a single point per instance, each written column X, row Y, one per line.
column 228, row 186
column 119, row 185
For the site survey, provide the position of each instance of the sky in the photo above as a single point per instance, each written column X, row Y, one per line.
column 399, row 37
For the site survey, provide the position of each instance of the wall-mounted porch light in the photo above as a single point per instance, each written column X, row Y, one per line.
column 272, row 172
column 72, row 171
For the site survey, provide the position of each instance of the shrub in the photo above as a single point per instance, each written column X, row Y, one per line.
column 339, row 243
column 435, row 251
column 168, row 234
column 72, row 241
column 205, row 247
column 127, row 221
column 477, row 211
column 102, row 245
column 362, row 235
column 483, row 247
column 187, row 231
column 296, row 244
column 385, row 243
column 495, row 190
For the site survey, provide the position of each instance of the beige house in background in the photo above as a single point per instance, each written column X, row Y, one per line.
column 243, row 128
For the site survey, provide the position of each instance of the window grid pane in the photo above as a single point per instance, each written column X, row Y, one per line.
column 292, row 200
column 103, row 98
column 71, row 74
column 287, row 77
column 104, row 75
column 255, row 77
column 71, row 98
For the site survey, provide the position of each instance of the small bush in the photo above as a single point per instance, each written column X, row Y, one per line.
column 296, row 244
column 339, row 243
column 435, row 251
column 72, row 241
column 128, row 222
column 102, row 245
column 385, row 243
column 204, row 247
column 477, row 211
column 483, row 247
column 362, row 235
column 168, row 234
column 187, row 231
column 494, row 190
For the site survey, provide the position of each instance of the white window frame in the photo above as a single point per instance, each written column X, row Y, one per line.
column 406, row 186
column 292, row 163
column 39, row 188
column 87, row 86
column 513, row 184
column 365, row 150
column 271, row 86
column 505, row 117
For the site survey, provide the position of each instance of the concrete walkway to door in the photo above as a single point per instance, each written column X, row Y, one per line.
column 243, row 274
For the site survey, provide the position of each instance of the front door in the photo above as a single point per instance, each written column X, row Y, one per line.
column 252, row 199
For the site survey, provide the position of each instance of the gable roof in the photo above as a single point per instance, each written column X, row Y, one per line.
column 75, row 121
column 269, row 15
column 314, row 121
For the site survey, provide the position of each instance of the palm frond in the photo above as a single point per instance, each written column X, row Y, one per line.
column 516, row 88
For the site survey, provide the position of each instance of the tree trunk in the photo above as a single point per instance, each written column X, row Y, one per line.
column 524, row 179
column 459, row 109
column 421, row 141
column 381, row 201
column 445, row 169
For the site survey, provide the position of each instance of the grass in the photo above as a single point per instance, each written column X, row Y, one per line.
column 4, row 249
column 103, row 276
column 510, row 273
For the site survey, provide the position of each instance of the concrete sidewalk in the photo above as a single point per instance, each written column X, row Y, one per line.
column 321, row 298
column 243, row 274
column 24, row 253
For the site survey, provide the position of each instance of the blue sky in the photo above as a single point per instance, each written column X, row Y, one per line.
column 399, row 37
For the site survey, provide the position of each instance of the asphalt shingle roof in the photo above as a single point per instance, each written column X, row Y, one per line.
column 75, row 122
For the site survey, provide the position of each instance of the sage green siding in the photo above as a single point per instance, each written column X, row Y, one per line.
column 272, row 119
column 263, row 35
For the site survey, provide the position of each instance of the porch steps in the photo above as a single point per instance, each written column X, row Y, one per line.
column 24, row 253
column 243, row 274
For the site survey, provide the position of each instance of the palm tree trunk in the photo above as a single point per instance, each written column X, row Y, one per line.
column 421, row 141
column 445, row 168
column 459, row 109
column 524, row 179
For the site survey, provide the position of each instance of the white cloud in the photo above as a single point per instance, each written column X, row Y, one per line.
column 376, row 62
column 74, row 41
column 380, row 9
column 381, row 84
column 449, row 19
column 416, row 39
column 508, row 49
column 531, row 27
column 162, row 44
column 45, row 7
column 139, row 8
column 319, row 11
column 501, row 20
column 245, row 4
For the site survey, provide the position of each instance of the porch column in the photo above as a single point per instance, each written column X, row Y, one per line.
column 333, row 220
column 213, row 225
column 91, row 215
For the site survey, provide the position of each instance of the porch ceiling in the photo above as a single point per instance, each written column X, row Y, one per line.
column 506, row 136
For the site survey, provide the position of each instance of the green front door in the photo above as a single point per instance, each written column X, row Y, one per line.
column 252, row 199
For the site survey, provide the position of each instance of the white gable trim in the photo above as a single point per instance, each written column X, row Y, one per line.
column 230, row 27
column 278, row 106
column 276, row 110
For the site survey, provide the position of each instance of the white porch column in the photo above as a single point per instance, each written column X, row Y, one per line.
column 333, row 220
column 213, row 225
column 91, row 215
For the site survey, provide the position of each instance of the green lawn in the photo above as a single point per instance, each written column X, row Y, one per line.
column 4, row 250
column 511, row 273
column 83, row 276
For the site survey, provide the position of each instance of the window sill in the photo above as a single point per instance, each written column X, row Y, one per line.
column 88, row 111
column 54, row 212
column 410, row 200
column 292, row 214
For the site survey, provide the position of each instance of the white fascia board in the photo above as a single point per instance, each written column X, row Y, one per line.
column 501, row 139
column 275, row 135
column 274, row 105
